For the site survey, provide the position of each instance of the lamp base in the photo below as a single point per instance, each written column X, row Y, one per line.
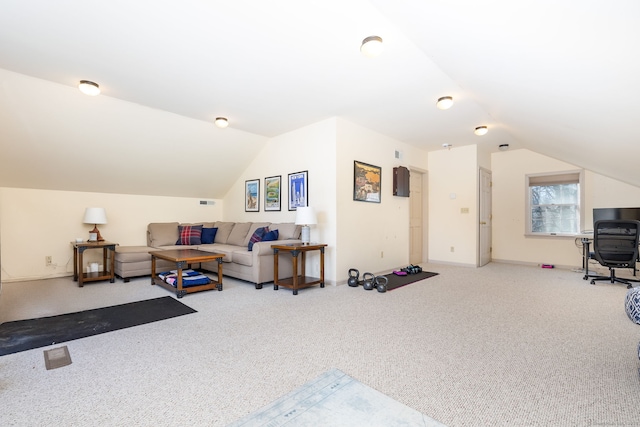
column 97, row 234
column 305, row 234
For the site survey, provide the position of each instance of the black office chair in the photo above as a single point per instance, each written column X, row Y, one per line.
column 615, row 245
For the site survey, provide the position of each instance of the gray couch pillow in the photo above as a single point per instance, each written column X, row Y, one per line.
column 162, row 233
column 224, row 229
column 238, row 234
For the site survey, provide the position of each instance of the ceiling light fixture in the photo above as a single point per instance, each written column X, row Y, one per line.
column 444, row 103
column 447, row 146
column 221, row 122
column 371, row 46
column 89, row 88
column 481, row 130
column 503, row 147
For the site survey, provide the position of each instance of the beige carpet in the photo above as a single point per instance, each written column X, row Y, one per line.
column 501, row 345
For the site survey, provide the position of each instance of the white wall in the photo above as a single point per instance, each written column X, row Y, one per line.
column 604, row 192
column 371, row 237
column 357, row 233
column 509, row 203
column 453, row 185
column 313, row 149
column 39, row 223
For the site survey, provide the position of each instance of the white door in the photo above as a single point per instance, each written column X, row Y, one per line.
column 485, row 218
column 416, row 228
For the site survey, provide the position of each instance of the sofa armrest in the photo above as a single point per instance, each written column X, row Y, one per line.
column 264, row 248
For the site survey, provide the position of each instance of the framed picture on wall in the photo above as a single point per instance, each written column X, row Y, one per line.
column 367, row 180
column 252, row 195
column 272, row 193
column 298, row 190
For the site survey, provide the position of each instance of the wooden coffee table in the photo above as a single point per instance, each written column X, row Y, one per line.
column 184, row 258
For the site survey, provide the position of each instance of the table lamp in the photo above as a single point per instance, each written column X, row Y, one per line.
column 305, row 216
column 95, row 216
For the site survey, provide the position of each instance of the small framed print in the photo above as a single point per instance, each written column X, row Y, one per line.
column 272, row 193
column 366, row 182
column 298, row 190
column 252, row 195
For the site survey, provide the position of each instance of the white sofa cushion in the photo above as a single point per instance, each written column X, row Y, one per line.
column 226, row 250
column 162, row 233
column 238, row 234
column 224, row 229
column 243, row 257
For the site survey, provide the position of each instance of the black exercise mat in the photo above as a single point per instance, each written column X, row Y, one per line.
column 396, row 281
column 24, row 335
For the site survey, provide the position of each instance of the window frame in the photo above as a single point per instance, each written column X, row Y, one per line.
column 552, row 178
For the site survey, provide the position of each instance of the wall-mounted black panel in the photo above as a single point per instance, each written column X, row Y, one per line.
column 401, row 181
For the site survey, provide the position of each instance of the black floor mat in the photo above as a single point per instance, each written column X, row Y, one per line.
column 398, row 281
column 24, row 335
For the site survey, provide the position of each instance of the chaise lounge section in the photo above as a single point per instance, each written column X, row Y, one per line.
column 246, row 255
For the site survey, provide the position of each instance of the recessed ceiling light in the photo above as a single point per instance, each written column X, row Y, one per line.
column 444, row 103
column 481, row 130
column 371, row 46
column 89, row 88
column 221, row 122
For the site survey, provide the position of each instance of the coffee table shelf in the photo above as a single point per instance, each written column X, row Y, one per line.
column 184, row 258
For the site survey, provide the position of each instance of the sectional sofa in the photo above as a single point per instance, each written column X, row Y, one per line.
column 247, row 256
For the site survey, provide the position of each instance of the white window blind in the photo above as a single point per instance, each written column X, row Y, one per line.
column 553, row 203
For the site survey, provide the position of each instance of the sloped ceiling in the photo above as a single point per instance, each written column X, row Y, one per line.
column 556, row 77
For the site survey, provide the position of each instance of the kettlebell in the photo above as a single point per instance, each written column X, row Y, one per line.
column 368, row 280
column 381, row 283
column 353, row 277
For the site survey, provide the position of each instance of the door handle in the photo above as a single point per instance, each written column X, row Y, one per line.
column 483, row 223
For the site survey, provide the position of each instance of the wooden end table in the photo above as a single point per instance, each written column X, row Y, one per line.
column 184, row 258
column 298, row 281
column 107, row 270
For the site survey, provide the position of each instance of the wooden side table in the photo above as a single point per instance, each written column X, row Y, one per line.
column 107, row 269
column 298, row 281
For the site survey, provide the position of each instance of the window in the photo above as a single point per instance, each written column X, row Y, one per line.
column 553, row 203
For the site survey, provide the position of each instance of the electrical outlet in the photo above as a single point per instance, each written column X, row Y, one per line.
column 452, row 249
column 48, row 260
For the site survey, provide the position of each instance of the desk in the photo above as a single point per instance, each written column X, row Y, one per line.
column 107, row 271
column 586, row 244
column 298, row 281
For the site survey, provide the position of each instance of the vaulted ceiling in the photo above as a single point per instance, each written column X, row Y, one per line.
column 556, row 77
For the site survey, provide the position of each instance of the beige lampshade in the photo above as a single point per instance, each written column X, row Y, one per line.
column 95, row 216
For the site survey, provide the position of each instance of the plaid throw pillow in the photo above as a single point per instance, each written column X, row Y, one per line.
column 189, row 235
column 257, row 236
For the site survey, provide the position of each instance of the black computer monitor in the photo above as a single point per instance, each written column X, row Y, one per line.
column 616, row 213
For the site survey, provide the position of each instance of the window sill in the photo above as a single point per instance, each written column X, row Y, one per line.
column 551, row 235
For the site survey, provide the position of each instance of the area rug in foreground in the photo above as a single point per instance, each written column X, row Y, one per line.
column 396, row 281
column 336, row 399
column 24, row 335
